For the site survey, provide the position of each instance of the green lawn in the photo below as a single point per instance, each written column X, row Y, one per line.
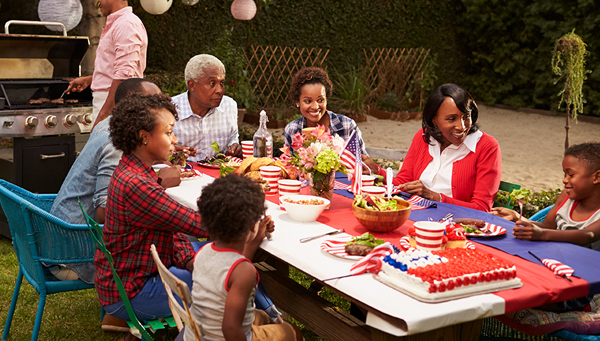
column 76, row 315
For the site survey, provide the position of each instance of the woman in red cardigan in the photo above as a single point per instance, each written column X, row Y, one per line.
column 450, row 159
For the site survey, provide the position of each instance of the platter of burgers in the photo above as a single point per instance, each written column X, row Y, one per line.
column 250, row 167
column 479, row 228
column 220, row 159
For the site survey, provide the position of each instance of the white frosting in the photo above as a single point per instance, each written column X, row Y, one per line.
column 418, row 288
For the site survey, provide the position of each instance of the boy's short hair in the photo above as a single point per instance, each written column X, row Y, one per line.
column 230, row 206
column 588, row 152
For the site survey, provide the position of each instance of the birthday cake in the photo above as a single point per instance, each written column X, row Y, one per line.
column 448, row 274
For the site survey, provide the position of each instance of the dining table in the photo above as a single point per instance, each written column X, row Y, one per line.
column 390, row 314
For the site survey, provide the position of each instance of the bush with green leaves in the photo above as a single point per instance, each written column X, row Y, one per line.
column 533, row 202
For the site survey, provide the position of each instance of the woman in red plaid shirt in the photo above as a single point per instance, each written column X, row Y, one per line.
column 139, row 212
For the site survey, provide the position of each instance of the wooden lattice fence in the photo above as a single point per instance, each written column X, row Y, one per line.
column 271, row 69
column 397, row 70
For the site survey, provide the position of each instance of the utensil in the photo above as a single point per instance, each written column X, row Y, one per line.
column 448, row 216
column 520, row 209
column 389, row 176
column 307, row 239
column 61, row 96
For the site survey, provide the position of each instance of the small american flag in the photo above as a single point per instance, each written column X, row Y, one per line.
column 372, row 261
column 420, row 203
column 350, row 158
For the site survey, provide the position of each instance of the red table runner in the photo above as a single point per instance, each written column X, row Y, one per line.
column 540, row 286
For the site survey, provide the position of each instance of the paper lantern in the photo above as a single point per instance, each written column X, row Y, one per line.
column 66, row 12
column 190, row 2
column 156, row 7
column 243, row 9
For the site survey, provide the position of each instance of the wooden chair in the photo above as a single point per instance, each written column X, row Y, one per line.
column 39, row 237
column 148, row 329
column 182, row 290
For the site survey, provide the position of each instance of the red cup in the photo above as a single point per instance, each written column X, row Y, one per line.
column 271, row 174
column 375, row 191
column 288, row 187
column 429, row 235
column 247, row 148
column 367, row 180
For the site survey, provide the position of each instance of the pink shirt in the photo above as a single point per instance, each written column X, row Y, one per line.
column 121, row 53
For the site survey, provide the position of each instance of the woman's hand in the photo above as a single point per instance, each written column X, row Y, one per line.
column 505, row 213
column 527, row 230
column 369, row 166
column 418, row 188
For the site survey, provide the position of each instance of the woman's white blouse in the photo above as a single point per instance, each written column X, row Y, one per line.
column 437, row 176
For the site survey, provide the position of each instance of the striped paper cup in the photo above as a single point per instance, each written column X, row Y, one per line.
column 429, row 235
column 375, row 191
column 271, row 174
column 247, row 148
column 288, row 187
column 368, row 180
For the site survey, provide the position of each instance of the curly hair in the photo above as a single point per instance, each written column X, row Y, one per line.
column 230, row 206
column 463, row 100
column 133, row 114
column 309, row 75
column 588, row 153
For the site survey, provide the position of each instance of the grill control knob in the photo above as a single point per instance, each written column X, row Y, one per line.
column 31, row 122
column 87, row 119
column 70, row 120
column 51, row 121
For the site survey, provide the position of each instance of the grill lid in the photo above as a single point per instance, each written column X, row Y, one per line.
column 25, row 56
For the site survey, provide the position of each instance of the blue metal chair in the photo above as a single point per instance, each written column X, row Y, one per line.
column 40, row 237
column 541, row 214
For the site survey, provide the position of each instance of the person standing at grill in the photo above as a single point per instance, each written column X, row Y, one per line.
column 206, row 114
column 121, row 54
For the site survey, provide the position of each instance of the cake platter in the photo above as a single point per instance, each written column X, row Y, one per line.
column 448, row 295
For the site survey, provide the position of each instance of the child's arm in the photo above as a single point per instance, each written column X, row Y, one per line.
column 525, row 230
column 240, row 283
column 266, row 224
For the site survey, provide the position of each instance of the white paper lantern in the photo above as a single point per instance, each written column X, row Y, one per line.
column 66, row 12
column 190, row 2
column 156, row 7
column 243, row 9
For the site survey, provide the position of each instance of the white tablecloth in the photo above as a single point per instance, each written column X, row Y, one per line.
column 405, row 315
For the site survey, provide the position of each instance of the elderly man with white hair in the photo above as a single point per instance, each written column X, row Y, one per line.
column 206, row 115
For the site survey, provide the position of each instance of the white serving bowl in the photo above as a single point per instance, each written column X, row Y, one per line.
column 299, row 212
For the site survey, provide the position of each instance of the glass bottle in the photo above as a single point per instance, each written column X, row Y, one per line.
column 263, row 140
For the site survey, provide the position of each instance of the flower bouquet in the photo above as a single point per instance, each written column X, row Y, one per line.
column 315, row 156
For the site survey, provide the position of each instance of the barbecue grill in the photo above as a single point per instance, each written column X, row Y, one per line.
column 35, row 70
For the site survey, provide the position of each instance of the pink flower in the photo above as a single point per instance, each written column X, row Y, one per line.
column 285, row 150
column 299, row 137
column 309, row 165
column 296, row 145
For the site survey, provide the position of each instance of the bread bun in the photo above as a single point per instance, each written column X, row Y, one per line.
column 263, row 161
column 245, row 166
column 254, row 175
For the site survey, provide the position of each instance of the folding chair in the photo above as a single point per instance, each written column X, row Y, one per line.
column 507, row 187
column 172, row 283
column 40, row 237
column 144, row 331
